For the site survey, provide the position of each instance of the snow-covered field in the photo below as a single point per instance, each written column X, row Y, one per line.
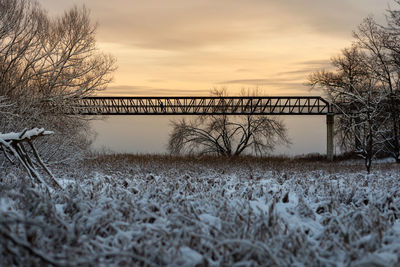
column 163, row 211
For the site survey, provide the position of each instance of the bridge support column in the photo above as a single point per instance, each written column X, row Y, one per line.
column 329, row 136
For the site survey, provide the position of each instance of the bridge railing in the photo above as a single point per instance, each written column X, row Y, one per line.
column 201, row 106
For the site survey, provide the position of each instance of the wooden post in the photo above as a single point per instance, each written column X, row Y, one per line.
column 329, row 136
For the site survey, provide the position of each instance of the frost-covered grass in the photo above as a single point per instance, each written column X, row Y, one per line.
column 167, row 211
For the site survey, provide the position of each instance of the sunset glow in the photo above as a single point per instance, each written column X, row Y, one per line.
column 188, row 47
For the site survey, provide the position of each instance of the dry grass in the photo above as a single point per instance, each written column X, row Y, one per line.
column 307, row 163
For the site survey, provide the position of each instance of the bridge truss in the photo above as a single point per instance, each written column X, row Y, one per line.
column 263, row 105
column 276, row 105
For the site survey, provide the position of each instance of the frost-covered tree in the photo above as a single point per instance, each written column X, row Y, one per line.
column 372, row 65
column 227, row 135
column 349, row 72
column 360, row 99
column 381, row 51
column 46, row 62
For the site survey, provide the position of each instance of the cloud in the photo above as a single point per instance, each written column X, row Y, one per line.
column 285, row 85
column 306, row 67
column 183, row 24
column 172, row 25
column 195, row 42
column 244, row 70
column 261, row 81
column 192, row 24
column 319, row 62
column 339, row 17
column 131, row 90
column 298, row 72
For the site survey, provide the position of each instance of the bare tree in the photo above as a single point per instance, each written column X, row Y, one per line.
column 347, row 77
column 371, row 68
column 380, row 47
column 358, row 95
column 44, row 64
column 391, row 43
column 227, row 135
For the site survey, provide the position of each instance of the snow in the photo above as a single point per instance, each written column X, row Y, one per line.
column 171, row 212
column 28, row 134
column 189, row 257
column 6, row 204
column 396, row 226
column 210, row 220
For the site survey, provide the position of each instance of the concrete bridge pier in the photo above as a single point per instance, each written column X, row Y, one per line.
column 329, row 136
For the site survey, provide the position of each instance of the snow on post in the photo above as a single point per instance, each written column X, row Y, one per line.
column 13, row 145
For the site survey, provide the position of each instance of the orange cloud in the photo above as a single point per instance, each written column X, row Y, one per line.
column 191, row 46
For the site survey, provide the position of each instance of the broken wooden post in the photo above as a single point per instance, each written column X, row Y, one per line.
column 13, row 144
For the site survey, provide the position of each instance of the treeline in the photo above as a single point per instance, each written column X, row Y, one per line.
column 365, row 88
column 44, row 63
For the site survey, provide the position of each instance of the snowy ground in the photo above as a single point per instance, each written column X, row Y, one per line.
column 162, row 211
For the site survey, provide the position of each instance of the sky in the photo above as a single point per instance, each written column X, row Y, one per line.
column 188, row 47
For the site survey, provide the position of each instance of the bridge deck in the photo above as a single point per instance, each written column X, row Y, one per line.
column 263, row 105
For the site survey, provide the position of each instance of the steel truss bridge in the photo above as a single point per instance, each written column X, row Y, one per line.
column 276, row 105
column 262, row 105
